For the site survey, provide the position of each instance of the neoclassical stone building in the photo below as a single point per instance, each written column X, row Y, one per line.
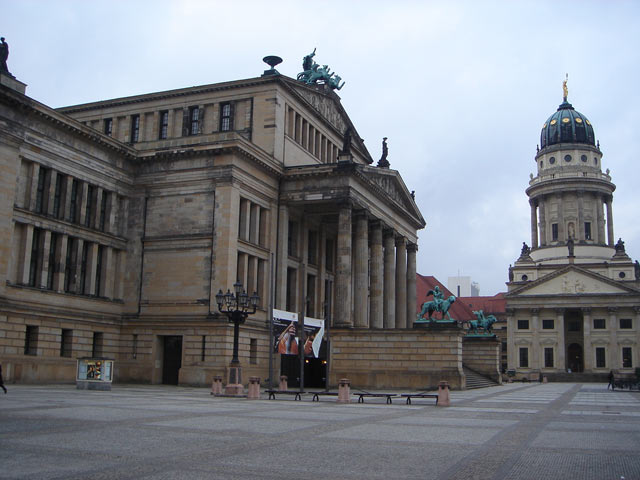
column 573, row 301
column 121, row 219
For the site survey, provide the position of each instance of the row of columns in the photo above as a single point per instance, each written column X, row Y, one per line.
column 538, row 207
column 384, row 275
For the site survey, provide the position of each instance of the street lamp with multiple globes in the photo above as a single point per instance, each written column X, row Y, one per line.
column 237, row 307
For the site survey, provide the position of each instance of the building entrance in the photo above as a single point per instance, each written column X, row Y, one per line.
column 172, row 359
column 575, row 362
column 574, row 340
column 314, row 371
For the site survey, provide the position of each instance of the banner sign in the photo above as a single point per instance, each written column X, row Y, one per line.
column 285, row 331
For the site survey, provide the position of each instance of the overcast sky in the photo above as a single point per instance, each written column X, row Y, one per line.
column 461, row 89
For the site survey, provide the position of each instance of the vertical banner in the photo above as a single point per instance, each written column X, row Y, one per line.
column 285, row 334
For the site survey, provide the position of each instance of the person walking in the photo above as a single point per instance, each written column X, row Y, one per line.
column 611, row 381
column 1, row 381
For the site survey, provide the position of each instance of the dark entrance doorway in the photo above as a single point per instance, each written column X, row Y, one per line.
column 575, row 361
column 314, row 371
column 172, row 359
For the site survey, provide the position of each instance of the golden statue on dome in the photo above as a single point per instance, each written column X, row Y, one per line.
column 565, row 89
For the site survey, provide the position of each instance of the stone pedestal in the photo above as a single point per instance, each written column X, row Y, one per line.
column 216, row 385
column 344, row 391
column 11, row 82
column 254, row 388
column 234, row 383
column 283, row 383
column 444, row 399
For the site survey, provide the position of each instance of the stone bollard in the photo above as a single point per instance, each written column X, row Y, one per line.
column 444, row 399
column 283, row 383
column 254, row 388
column 216, row 385
column 544, row 379
column 344, row 390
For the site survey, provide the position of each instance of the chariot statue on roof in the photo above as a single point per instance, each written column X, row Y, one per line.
column 313, row 73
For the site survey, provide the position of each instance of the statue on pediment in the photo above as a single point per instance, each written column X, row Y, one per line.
column 313, row 73
column 383, row 162
column 620, row 246
column 4, row 54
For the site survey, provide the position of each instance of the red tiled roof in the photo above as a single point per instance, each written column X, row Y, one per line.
column 495, row 305
column 459, row 310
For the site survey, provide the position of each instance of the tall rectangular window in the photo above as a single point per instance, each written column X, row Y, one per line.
column 163, row 132
column 134, row 346
column 600, row 357
column 292, row 239
column 292, row 284
column 312, row 249
column 31, row 340
column 135, row 128
column 88, row 212
column 108, row 126
column 599, row 324
column 66, row 342
column 52, row 260
column 103, row 210
column 73, row 210
column 99, row 270
column 194, row 120
column 548, row 357
column 587, row 230
column 97, row 349
column 311, row 295
column 554, row 231
column 57, row 196
column 83, row 267
column 328, row 254
column 627, row 361
column 40, row 192
column 36, row 257
column 524, row 357
column 253, row 351
column 226, row 120
column 203, row 348
column 69, row 266
column 523, row 324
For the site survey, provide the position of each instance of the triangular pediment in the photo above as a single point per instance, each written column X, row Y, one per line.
column 573, row 280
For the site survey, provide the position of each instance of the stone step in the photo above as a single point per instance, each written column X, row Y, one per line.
column 475, row 380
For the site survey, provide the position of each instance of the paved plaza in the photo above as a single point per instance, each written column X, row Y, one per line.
column 514, row 431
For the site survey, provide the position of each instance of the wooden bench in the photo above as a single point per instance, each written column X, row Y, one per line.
column 409, row 396
column 316, row 395
column 377, row 395
column 273, row 393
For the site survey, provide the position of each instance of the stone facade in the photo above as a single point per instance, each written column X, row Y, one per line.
column 120, row 220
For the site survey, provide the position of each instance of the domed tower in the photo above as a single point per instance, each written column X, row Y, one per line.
column 571, row 198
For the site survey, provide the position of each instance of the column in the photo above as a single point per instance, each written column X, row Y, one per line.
column 225, row 240
column 535, row 362
column 77, row 286
column 600, row 212
column 112, row 208
column 282, row 256
column 65, row 205
column 82, row 205
column 91, row 269
column 376, row 310
column 511, row 346
column 46, row 249
column 401, row 282
column 32, row 192
column 254, row 224
column 108, row 271
column 588, row 349
column 562, row 365
column 389, row 280
column 543, row 223
column 412, row 250
column 534, row 224
column 98, row 209
column 562, row 237
column 343, row 269
column 53, row 179
column 614, row 359
column 361, row 283
column 580, row 226
column 610, row 238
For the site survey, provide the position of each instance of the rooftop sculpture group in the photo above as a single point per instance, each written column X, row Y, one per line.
column 313, row 73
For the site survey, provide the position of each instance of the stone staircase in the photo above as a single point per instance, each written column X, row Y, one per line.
column 475, row 380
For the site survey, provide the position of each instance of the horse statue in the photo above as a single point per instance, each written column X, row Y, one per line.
column 437, row 305
column 485, row 323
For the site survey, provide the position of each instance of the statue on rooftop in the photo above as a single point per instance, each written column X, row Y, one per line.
column 526, row 251
column 383, row 162
column 620, row 246
column 4, row 54
column 438, row 304
column 315, row 74
column 483, row 322
column 570, row 246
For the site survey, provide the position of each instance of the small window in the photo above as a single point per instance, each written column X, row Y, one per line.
column 622, row 274
column 627, row 358
column 524, row 357
column 554, row 231
column 31, row 340
column 253, row 351
column 583, row 158
column 108, row 126
column 194, row 119
column 548, row 324
column 66, row 341
column 135, row 128
column 83, row 268
column 523, row 324
column 164, row 125
column 600, row 357
column 626, row 323
column 552, row 160
column 567, row 158
column 587, row 230
column 525, row 278
column 599, row 324
column 98, row 344
column 548, row 357
column 69, row 266
column 226, row 120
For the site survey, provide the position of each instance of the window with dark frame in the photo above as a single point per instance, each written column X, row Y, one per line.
column 69, row 267
column 599, row 324
column 194, row 119
column 226, row 120
column 328, row 255
column 135, row 128
column 57, row 196
column 626, row 323
column 99, row 271
column 98, row 345
column 627, row 361
column 73, row 209
column 35, row 262
column 253, row 351
column 134, row 346
column 554, row 231
column 31, row 340
column 574, row 326
column 40, row 192
column 88, row 211
column 311, row 295
column 83, row 268
column 524, row 357
column 52, row 260
column 600, row 357
column 292, row 239
column 548, row 357
column 548, row 324
column 164, row 125
column 108, row 126
column 103, row 210
column 587, row 230
column 66, row 342
column 312, row 249
column 523, row 324
column 203, row 348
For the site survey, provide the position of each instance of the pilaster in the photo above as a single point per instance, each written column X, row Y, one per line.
column 361, row 298
column 343, row 269
column 412, row 250
column 389, row 319
column 401, row 282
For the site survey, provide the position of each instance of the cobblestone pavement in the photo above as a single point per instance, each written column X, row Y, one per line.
column 514, row 431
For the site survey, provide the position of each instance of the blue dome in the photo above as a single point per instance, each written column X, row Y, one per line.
column 566, row 125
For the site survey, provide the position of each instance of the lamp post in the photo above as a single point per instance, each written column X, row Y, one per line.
column 237, row 307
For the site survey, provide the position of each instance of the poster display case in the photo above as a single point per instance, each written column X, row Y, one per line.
column 94, row 373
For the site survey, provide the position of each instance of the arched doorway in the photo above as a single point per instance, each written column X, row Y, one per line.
column 575, row 359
